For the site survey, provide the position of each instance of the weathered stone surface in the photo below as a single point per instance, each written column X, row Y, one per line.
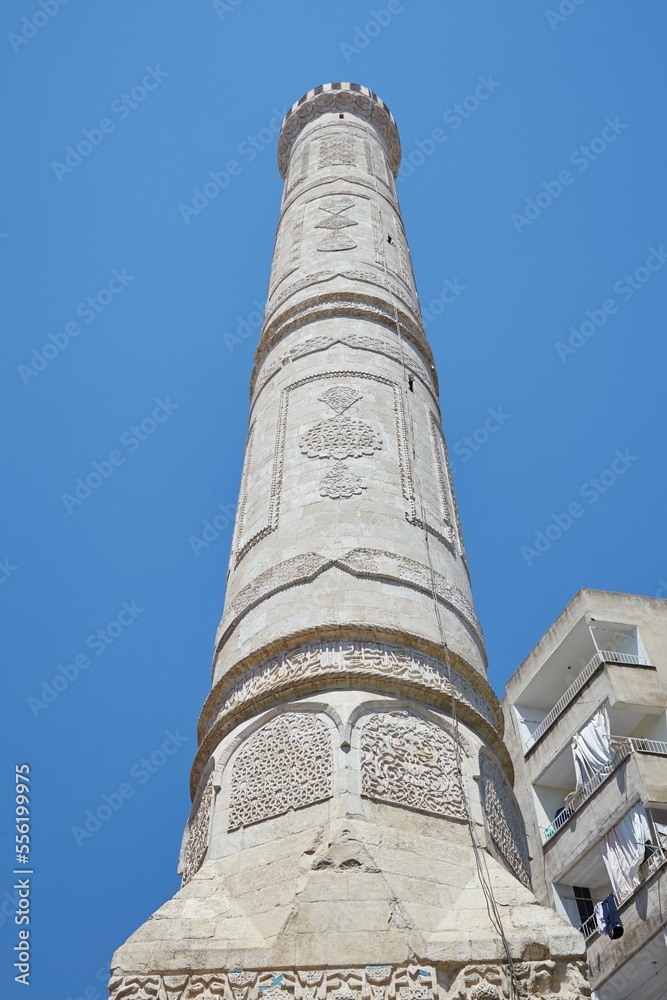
column 354, row 804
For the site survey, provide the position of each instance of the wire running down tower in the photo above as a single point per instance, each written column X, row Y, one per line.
column 354, row 834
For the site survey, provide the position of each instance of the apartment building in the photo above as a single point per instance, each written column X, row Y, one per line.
column 587, row 729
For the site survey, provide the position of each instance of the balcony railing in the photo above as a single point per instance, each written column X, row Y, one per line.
column 602, row 656
column 639, row 745
column 589, row 927
column 644, row 872
column 651, row 865
column 657, row 859
column 622, row 746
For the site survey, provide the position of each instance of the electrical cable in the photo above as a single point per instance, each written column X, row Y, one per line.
column 478, row 852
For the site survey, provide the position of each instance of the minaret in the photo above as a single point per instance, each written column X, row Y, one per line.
column 354, row 834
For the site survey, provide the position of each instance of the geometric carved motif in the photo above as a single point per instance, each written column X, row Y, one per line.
column 287, row 764
column 321, row 342
column 359, row 562
column 341, row 482
column 457, row 522
column 370, row 983
column 546, row 980
column 337, row 151
column 197, row 841
column 340, row 437
column 340, row 397
column 286, row 258
column 336, row 222
column 443, row 480
column 504, row 821
column 411, row 762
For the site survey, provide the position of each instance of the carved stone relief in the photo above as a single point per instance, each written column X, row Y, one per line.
column 379, row 279
column 245, row 543
column 411, row 762
column 370, row 983
column 362, row 661
column 378, row 238
column 367, row 158
column 387, row 346
column 340, row 437
column 340, row 397
column 336, row 221
column 452, row 494
column 350, row 438
column 504, row 821
column 361, row 562
column 287, row 764
column 548, row 980
column 197, row 838
column 290, row 229
column 338, row 151
column 340, row 483
column 361, row 103
column 443, row 480
column 297, row 238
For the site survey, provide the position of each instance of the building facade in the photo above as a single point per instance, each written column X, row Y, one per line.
column 354, row 833
column 586, row 725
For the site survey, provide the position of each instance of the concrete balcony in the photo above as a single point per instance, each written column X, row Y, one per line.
column 618, row 684
column 601, row 658
column 643, row 915
column 638, row 774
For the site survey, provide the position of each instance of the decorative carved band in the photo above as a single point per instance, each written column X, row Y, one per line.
column 343, row 302
column 386, row 345
column 372, row 563
column 375, row 982
column 547, row 980
column 340, row 97
column 377, row 278
column 372, row 660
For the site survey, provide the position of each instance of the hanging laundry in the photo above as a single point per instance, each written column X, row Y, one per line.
column 623, row 850
column 610, row 917
column 600, row 919
column 591, row 749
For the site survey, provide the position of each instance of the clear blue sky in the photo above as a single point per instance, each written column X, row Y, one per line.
column 213, row 80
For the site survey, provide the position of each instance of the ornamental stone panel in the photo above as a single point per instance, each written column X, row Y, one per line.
column 408, row 761
column 286, row 765
column 504, row 821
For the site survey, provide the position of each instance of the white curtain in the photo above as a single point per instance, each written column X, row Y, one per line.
column 623, row 851
column 590, row 748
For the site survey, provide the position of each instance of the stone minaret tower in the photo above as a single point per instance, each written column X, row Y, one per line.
column 354, row 834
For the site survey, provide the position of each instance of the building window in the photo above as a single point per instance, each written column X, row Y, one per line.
column 584, row 901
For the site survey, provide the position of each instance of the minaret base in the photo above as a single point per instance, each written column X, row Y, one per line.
column 349, row 911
